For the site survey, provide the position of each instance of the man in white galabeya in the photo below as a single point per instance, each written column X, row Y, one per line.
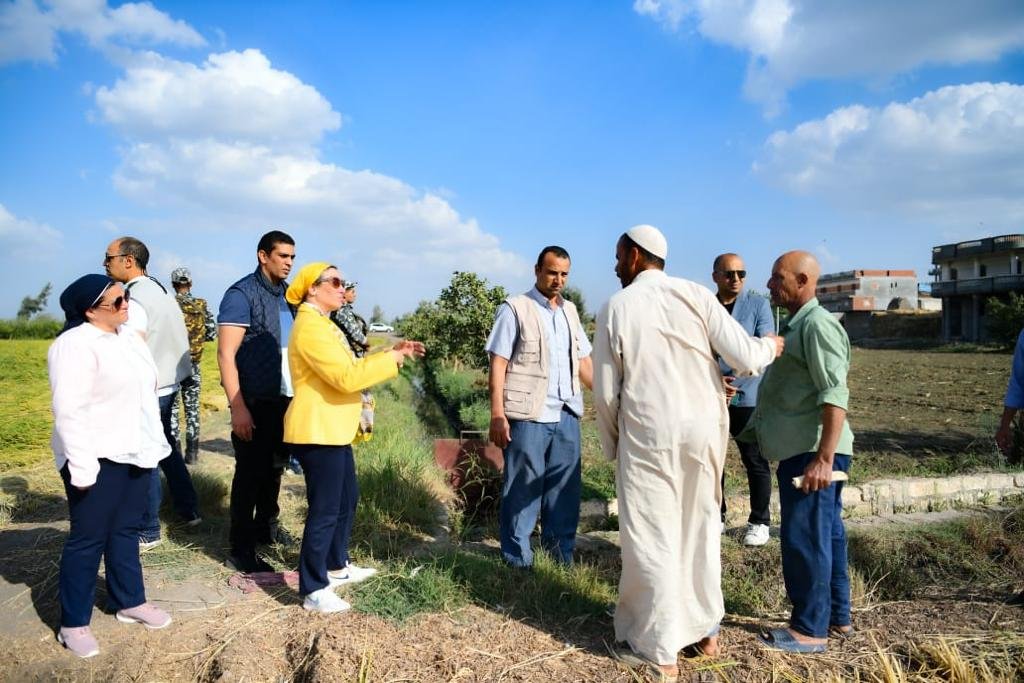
column 661, row 412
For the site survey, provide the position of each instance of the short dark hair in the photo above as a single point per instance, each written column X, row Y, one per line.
column 131, row 246
column 648, row 258
column 722, row 257
column 272, row 239
column 559, row 252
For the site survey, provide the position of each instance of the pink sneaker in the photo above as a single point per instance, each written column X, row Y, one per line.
column 147, row 614
column 79, row 640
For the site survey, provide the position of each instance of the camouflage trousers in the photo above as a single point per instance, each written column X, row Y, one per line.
column 190, row 397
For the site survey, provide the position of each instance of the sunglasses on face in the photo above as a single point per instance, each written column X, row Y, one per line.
column 116, row 304
column 335, row 282
column 107, row 258
column 730, row 274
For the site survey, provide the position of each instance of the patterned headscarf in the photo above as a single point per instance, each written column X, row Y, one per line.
column 303, row 280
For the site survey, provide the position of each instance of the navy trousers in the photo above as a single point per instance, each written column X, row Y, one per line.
column 332, row 493
column 179, row 481
column 814, row 560
column 104, row 522
column 542, row 477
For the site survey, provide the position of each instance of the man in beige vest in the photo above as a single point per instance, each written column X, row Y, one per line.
column 540, row 355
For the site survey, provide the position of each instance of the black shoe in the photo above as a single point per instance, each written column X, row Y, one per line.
column 247, row 563
column 276, row 534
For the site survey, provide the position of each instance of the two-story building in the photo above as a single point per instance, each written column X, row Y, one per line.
column 868, row 290
column 968, row 274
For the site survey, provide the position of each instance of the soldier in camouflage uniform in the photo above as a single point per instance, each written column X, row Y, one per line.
column 355, row 329
column 201, row 328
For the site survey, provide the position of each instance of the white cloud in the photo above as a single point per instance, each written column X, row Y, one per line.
column 27, row 239
column 380, row 215
column 235, row 96
column 29, row 30
column 955, row 154
column 791, row 41
column 233, row 144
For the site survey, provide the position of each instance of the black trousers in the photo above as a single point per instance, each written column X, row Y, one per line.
column 759, row 474
column 257, row 480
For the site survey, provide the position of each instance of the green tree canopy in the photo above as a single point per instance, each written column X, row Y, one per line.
column 1005, row 318
column 456, row 325
column 32, row 305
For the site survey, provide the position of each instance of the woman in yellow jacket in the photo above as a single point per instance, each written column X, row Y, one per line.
column 320, row 425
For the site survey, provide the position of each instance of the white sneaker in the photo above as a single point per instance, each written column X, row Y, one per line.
column 147, row 545
column 757, row 534
column 325, row 601
column 349, row 575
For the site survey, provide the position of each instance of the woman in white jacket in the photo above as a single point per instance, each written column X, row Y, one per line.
column 107, row 437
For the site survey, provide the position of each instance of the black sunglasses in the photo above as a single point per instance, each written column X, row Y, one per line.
column 116, row 303
column 107, row 258
column 730, row 274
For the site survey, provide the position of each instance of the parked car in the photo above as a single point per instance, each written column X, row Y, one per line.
column 381, row 327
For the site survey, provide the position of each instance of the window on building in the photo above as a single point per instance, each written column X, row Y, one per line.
column 982, row 270
column 952, row 273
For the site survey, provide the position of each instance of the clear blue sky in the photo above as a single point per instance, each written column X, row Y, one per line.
column 403, row 141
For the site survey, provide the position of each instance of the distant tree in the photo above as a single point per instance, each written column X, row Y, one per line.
column 1005, row 318
column 574, row 295
column 32, row 305
column 378, row 315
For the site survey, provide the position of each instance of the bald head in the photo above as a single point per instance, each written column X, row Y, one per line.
column 803, row 263
column 794, row 280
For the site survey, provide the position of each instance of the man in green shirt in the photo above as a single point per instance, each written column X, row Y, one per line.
column 800, row 422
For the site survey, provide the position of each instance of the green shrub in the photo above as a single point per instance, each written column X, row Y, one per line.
column 1005, row 318
column 42, row 327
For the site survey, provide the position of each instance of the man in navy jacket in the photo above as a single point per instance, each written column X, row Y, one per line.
column 753, row 312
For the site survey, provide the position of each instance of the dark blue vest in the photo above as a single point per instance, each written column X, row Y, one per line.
column 259, row 357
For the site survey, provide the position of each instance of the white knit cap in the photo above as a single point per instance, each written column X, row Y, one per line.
column 650, row 238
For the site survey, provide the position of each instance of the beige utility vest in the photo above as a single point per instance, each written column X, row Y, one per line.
column 526, row 378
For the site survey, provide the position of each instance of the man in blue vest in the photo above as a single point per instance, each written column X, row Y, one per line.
column 254, row 323
column 540, row 356
column 754, row 314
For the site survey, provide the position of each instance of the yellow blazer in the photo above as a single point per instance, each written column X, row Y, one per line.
column 327, row 381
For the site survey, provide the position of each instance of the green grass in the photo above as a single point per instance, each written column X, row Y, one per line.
column 403, row 589
column 549, row 593
column 25, row 419
column 975, row 551
column 890, row 562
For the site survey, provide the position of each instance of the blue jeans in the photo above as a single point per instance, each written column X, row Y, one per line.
column 104, row 522
column 332, row 493
column 814, row 562
column 179, row 482
column 541, row 476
